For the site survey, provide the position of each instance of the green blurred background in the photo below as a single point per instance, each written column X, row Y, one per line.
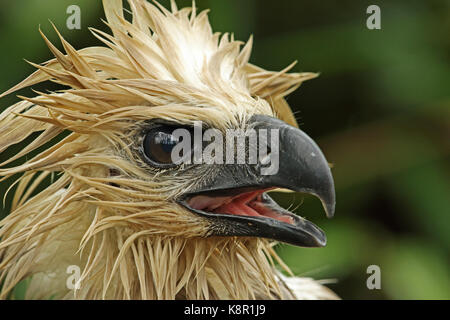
column 380, row 111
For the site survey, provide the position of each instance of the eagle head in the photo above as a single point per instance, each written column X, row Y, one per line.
column 159, row 152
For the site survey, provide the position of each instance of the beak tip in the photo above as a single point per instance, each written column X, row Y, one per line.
column 330, row 211
column 329, row 203
column 330, row 206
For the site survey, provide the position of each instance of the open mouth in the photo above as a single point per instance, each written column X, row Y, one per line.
column 246, row 212
column 250, row 204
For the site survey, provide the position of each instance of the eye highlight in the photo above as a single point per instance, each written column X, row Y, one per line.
column 158, row 145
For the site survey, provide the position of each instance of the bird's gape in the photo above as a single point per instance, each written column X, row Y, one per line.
column 249, row 204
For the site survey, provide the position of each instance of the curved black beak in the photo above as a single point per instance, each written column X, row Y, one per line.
column 302, row 165
column 293, row 161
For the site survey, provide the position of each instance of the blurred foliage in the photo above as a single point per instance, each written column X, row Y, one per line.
column 380, row 111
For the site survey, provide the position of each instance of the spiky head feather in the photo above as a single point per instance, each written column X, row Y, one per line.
column 108, row 212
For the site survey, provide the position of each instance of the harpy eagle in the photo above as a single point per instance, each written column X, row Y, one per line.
column 135, row 223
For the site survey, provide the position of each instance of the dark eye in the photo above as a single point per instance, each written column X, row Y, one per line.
column 158, row 145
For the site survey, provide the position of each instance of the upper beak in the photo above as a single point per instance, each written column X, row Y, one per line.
column 302, row 165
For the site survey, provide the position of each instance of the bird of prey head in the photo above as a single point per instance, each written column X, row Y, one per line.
column 134, row 222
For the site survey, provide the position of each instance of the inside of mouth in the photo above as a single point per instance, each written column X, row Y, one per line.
column 248, row 204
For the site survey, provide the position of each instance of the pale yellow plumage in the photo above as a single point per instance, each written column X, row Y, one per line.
column 120, row 229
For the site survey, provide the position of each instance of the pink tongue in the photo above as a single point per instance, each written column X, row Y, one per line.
column 246, row 198
column 237, row 208
column 244, row 205
column 239, row 205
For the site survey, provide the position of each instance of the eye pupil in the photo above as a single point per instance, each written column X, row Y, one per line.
column 159, row 144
